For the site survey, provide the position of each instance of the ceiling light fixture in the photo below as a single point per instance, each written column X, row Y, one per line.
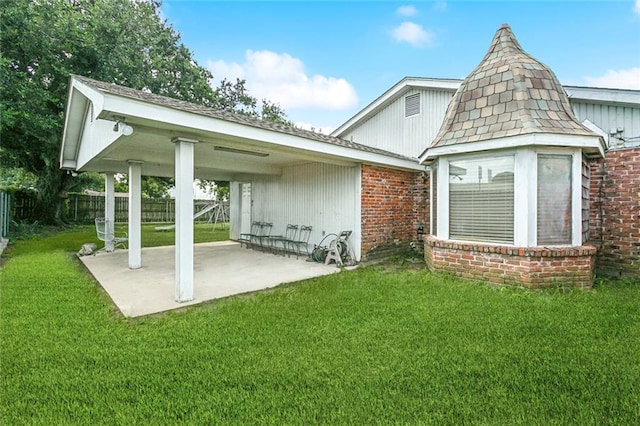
column 240, row 151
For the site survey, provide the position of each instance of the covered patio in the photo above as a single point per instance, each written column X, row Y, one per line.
column 278, row 174
column 220, row 269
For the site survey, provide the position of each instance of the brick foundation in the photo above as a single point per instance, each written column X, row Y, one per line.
column 394, row 203
column 615, row 212
column 529, row 267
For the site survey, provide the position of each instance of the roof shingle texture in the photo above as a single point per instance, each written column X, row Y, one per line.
column 231, row 116
column 510, row 93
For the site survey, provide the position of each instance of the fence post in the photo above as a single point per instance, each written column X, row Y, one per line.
column 5, row 213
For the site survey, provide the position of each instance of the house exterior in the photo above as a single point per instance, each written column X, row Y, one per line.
column 511, row 105
column 385, row 174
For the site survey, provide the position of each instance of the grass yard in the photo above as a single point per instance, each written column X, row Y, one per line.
column 378, row 345
column 72, row 239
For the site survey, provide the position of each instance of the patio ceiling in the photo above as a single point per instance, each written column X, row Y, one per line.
column 153, row 146
column 230, row 146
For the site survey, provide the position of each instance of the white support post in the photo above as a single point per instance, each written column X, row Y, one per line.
column 109, row 209
column 443, row 199
column 184, row 166
column 135, row 214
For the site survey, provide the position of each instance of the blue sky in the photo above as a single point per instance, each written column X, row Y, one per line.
column 324, row 61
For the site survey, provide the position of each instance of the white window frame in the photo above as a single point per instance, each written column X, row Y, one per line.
column 525, row 193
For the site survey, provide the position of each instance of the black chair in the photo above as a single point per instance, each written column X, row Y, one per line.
column 281, row 242
column 250, row 238
column 301, row 244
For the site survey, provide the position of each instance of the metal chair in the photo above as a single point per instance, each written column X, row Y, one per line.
column 248, row 239
column 283, row 240
column 107, row 235
column 263, row 236
column 301, row 244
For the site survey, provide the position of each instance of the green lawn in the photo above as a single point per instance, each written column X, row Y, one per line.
column 377, row 345
column 72, row 239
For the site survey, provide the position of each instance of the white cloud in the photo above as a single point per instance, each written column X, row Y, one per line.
column 636, row 7
column 408, row 10
column 228, row 70
column 281, row 78
column 617, row 79
column 413, row 34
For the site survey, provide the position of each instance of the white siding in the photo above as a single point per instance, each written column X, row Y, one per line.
column 390, row 130
column 321, row 195
column 609, row 117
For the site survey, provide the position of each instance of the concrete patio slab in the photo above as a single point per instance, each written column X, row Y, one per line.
column 221, row 269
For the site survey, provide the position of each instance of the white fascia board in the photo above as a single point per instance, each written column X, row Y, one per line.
column 83, row 105
column 96, row 97
column 73, row 127
column 126, row 107
column 69, row 142
column 390, row 95
column 597, row 130
column 68, row 164
column 606, row 96
column 534, row 139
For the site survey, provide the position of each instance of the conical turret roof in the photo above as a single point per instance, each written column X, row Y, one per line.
column 510, row 93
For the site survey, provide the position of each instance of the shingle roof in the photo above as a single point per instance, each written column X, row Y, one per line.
column 510, row 93
column 230, row 116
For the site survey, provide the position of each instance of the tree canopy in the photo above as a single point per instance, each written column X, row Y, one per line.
column 118, row 41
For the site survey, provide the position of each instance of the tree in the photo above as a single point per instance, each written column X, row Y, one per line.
column 151, row 187
column 235, row 97
column 125, row 42
column 43, row 42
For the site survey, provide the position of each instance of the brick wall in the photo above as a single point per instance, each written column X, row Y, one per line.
column 530, row 267
column 394, row 203
column 615, row 212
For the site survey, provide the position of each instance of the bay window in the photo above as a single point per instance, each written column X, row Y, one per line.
column 522, row 197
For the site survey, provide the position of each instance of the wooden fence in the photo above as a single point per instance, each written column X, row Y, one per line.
column 85, row 208
column 82, row 208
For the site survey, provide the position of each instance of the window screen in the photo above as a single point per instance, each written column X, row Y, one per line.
column 481, row 199
column 412, row 105
column 554, row 199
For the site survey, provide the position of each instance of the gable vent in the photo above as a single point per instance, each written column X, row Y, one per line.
column 412, row 105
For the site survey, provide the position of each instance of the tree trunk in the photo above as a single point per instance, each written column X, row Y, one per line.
column 51, row 197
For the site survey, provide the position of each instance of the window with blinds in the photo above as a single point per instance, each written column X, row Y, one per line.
column 554, row 199
column 412, row 105
column 481, row 199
